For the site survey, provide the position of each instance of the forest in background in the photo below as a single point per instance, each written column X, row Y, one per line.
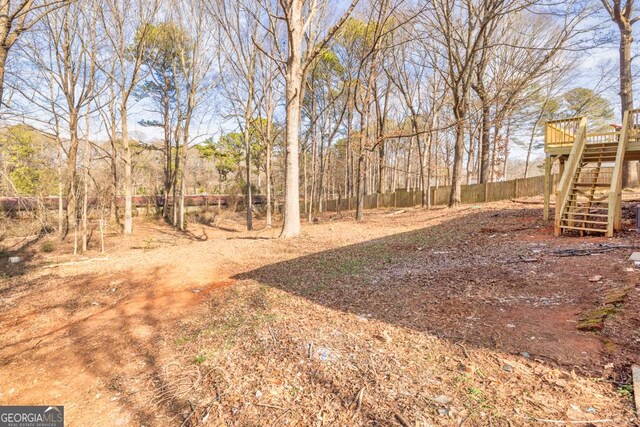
column 300, row 101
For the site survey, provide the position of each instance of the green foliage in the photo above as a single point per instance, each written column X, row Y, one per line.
column 626, row 390
column 207, row 149
column 355, row 33
column 23, row 150
column 48, row 247
column 585, row 102
column 229, row 151
column 165, row 44
column 330, row 60
column 200, row 359
column 165, row 51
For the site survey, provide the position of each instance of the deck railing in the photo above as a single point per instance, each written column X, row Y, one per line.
column 603, row 137
column 634, row 126
column 561, row 132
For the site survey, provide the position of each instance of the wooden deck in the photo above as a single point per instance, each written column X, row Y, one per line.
column 585, row 202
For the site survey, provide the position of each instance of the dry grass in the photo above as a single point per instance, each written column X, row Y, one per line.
column 448, row 317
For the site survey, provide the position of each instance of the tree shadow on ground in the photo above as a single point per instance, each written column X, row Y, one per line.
column 106, row 330
column 25, row 254
column 489, row 279
column 463, row 280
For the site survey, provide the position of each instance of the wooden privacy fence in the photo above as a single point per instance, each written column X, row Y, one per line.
column 474, row 193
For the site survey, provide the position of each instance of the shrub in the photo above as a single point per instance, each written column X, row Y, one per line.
column 48, row 247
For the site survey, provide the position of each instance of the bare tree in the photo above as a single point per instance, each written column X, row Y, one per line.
column 461, row 27
column 67, row 59
column 16, row 17
column 195, row 69
column 622, row 14
column 266, row 103
column 126, row 24
column 239, row 53
column 416, row 77
column 305, row 41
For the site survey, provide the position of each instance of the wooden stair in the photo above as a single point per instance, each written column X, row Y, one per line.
column 588, row 201
column 587, row 210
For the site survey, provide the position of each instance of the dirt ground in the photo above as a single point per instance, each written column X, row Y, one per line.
column 470, row 316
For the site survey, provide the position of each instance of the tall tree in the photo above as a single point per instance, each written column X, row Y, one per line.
column 167, row 48
column 16, row 17
column 127, row 25
column 305, row 41
column 195, row 71
column 239, row 56
column 461, row 27
column 622, row 14
column 67, row 56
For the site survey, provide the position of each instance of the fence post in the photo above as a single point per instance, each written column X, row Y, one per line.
column 515, row 188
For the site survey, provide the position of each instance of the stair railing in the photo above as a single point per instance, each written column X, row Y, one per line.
column 570, row 169
column 615, row 191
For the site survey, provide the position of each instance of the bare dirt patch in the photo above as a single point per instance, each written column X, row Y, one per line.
column 443, row 317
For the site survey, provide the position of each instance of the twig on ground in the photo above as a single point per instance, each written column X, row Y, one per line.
column 401, row 420
column 464, row 350
column 525, row 259
column 358, row 400
column 530, row 202
column 589, row 251
column 277, row 420
column 186, row 420
column 206, row 413
column 268, row 405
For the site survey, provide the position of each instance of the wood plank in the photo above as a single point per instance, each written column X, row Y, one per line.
column 570, row 214
column 585, row 221
column 596, row 230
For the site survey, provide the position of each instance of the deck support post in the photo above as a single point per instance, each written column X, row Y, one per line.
column 614, row 220
column 548, row 165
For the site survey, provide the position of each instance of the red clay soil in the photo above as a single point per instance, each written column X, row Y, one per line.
column 466, row 316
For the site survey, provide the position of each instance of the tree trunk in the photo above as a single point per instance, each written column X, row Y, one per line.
column 247, row 146
column 61, row 227
column 629, row 169
column 183, row 169
column 167, row 150
column 486, row 143
column 268, row 177
column 456, row 175
column 128, row 178
column 531, row 139
column 360, row 178
column 269, row 219
column 4, row 52
column 113, row 208
column 85, row 195
column 291, row 225
column 72, row 210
